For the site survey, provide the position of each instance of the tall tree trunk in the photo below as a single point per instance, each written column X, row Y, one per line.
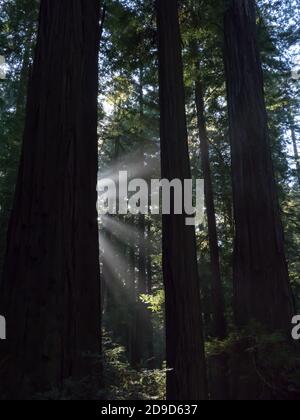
column 149, row 292
column 186, row 377
column 219, row 321
column 149, row 256
column 143, row 318
column 132, row 314
column 50, row 292
column 141, row 315
column 261, row 282
column 296, row 153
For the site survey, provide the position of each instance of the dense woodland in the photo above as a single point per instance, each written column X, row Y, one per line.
column 142, row 306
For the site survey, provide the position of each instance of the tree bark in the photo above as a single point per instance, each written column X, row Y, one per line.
column 50, row 292
column 186, row 377
column 261, row 282
column 219, row 321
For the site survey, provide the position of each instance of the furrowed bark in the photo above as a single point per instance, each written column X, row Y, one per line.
column 50, row 292
column 261, row 282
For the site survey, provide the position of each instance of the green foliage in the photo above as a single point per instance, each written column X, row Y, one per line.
column 271, row 357
column 18, row 22
column 155, row 302
column 124, row 383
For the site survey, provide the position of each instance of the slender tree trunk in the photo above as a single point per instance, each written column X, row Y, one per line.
column 149, row 257
column 144, row 322
column 186, row 378
column 296, row 153
column 132, row 325
column 261, row 282
column 149, row 292
column 219, row 321
column 50, row 292
column 142, row 315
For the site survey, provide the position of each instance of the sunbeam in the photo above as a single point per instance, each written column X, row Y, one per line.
column 120, row 230
column 119, row 266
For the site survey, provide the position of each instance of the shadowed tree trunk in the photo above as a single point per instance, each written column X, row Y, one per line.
column 218, row 383
column 141, row 310
column 151, row 363
column 132, row 315
column 50, row 293
column 186, row 377
column 296, row 153
column 144, row 323
column 143, row 319
column 261, row 282
column 219, row 321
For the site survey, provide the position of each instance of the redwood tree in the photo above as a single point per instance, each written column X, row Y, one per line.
column 50, row 293
column 186, row 377
column 261, row 281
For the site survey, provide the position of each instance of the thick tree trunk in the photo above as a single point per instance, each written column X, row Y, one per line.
column 50, row 292
column 186, row 378
column 219, row 321
column 261, row 282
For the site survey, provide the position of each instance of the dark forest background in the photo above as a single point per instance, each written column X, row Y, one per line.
column 208, row 88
